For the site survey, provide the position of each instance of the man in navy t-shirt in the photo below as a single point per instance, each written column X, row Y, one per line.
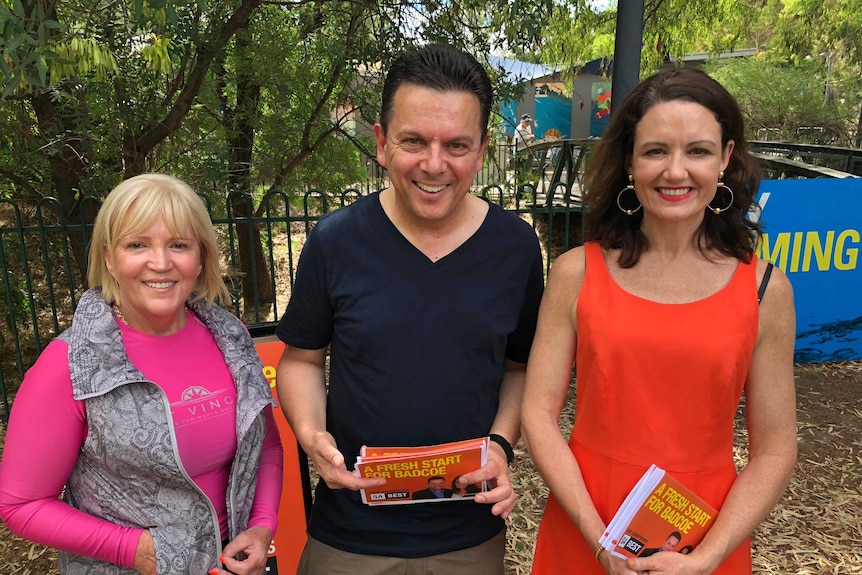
column 425, row 297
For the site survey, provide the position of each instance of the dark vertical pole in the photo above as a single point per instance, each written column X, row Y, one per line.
column 627, row 49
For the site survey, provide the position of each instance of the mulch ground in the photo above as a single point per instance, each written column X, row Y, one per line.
column 815, row 528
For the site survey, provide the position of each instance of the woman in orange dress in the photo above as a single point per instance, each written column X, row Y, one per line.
column 660, row 314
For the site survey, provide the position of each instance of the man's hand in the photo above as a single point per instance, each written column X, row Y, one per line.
column 329, row 463
column 145, row 555
column 496, row 473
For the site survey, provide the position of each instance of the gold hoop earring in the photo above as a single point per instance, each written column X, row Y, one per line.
column 726, row 187
column 631, row 187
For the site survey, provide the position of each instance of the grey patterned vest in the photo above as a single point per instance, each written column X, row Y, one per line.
column 129, row 471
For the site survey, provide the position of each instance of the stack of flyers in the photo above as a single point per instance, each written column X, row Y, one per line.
column 425, row 474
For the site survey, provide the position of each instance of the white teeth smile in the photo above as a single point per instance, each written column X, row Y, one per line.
column 430, row 189
column 674, row 191
column 159, row 285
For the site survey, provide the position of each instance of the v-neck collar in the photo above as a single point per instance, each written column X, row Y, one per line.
column 409, row 246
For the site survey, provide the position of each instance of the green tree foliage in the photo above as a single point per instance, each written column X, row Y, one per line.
column 142, row 85
column 828, row 32
column 103, row 92
column 776, row 99
column 578, row 32
column 228, row 94
column 807, row 43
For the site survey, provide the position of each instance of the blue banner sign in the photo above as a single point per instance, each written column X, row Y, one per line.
column 813, row 232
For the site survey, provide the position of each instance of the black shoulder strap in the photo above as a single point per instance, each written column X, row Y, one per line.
column 762, row 289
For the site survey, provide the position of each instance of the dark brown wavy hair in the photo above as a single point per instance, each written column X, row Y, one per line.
column 731, row 232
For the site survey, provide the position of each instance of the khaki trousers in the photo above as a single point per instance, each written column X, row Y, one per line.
column 483, row 559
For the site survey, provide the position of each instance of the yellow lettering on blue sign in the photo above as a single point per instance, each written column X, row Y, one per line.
column 829, row 250
column 851, row 253
column 824, row 250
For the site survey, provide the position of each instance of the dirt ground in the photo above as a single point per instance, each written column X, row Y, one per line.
column 815, row 529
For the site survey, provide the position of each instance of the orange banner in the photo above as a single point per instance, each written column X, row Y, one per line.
column 290, row 538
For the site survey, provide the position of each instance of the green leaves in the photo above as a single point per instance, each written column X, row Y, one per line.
column 79, row 57
column 37, row 56
column 157, row 55
column 23, row 42
column 775, row 99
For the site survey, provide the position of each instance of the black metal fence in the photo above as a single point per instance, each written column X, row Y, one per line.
column 794, row 159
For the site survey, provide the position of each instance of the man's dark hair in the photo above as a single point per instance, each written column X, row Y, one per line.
column 439, row 67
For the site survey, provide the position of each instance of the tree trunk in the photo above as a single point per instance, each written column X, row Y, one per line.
column 61, row 123
column 137, row 146
column 67, row 164
column 241, row 129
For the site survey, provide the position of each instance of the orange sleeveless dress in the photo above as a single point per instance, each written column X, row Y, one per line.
column 656, row 383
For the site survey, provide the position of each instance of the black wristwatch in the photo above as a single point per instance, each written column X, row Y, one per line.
column 504, row 443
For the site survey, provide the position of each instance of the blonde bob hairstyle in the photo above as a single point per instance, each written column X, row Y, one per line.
column 132, row 207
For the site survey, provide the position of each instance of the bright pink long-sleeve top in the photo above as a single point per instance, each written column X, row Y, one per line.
column 47, row 428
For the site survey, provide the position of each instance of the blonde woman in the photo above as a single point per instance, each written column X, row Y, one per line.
column 152, row 408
